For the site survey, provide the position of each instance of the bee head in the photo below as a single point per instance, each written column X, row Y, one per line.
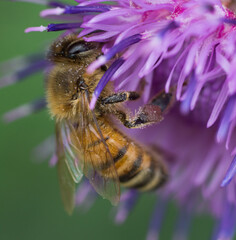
column 72, row 49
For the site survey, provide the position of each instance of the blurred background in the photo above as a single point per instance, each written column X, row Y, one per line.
column 30, row 204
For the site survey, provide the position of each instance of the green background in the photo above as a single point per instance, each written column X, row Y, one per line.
column 30, row 205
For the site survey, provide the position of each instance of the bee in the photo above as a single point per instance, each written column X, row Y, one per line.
column 88, row 142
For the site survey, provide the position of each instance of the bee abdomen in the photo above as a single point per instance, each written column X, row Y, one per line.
column 148, row 176
column 136, row 167
column 133, row 171
column 153, row 178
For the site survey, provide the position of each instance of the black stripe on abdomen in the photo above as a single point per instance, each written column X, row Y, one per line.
column 156, row 177
column 120, row 154
column 148, row 178
column 133, row 172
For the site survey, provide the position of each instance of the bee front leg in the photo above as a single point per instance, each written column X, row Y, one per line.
column 120, row 97
column 153, row 112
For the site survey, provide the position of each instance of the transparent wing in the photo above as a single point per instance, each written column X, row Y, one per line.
column 92, row 153
column 67, row 186
column 70, row 151
column 66, row 182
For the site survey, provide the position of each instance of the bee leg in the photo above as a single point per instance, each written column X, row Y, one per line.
column 153, row 112
column 164, row 100
column 145, row 116
column 120, row 97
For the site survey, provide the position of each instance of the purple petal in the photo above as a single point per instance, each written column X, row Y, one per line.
column 101, row 37
column 52, row 11
column 86, row 9
column 171, row 26
column 207, row 166
column 19, row 63
column 21, row 74
column 54, row 27
column 182, row 225
column 53, row 161
column 86, row 3
column 25, row 110
column 190, row 59
column 218, row 173
column 113, row 51
column 123, row 45
column 43, row 2
column 104, row 80
column 229, row 21
column 56, row 4
column 44, row 150
column 157, row 220
column 128, row 201
column 110, row 14
column 185, row 105
column 62, row 26
column 96, row 64
column 223, row 62
column 168, row 82
column 230, row 173
column 226, row 119
column 226, row 228
column 230, row 134
column 147, row 91
column 218, row 105
column 36, row 29
column 85, row 195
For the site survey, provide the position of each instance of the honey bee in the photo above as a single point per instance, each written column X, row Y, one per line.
column 88, row 142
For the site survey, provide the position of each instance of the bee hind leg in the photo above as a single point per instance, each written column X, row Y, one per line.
column 151, row 113
column 145, row 116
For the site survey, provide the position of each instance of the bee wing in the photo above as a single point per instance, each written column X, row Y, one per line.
column 69, row 151
column 66, row 181
column 93, row 155
column 67, row 186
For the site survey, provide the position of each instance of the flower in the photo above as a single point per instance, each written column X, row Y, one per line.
column 189, row 45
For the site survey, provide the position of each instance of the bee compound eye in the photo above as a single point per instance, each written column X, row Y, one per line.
column 78, row 48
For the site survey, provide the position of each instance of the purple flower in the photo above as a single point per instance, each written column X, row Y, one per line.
column 186, row 44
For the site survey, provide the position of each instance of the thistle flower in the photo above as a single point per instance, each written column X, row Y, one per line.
column 186, row 44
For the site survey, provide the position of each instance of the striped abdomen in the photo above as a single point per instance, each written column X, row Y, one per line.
column 136, row 167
